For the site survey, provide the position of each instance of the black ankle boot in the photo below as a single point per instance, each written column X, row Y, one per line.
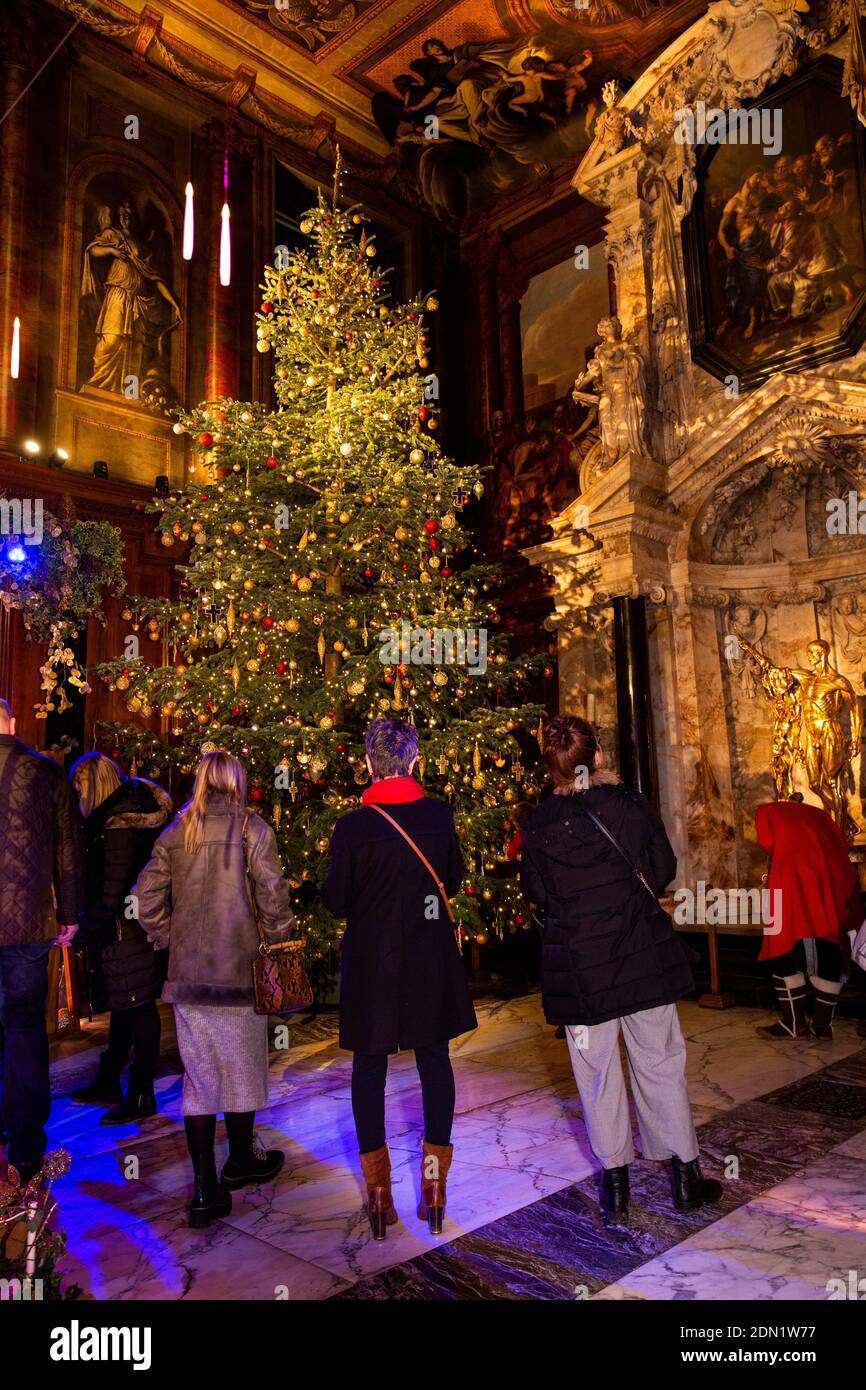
column 614, row 1190
column 104, row 1090
column 691, row 1188
column 255, row 1165
column 210, row 1199
column 138, row 1104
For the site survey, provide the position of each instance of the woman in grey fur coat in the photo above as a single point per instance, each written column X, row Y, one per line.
column 194, row 899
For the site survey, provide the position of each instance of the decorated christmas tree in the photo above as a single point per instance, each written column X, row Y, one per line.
column 330, row 581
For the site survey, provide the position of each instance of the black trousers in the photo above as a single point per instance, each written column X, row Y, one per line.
column 794, row 962
column 138, row 1028
column 369, row 1073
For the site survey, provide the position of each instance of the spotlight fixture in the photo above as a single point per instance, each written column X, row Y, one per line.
column 31, row 448
column 161, row 486
column 100, row 468
column 57, row 458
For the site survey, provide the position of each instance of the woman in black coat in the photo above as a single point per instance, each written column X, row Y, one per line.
column 122, row 819
column 611, row 961
column 403, row 984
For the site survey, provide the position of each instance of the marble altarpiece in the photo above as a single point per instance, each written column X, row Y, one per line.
column 703, row 509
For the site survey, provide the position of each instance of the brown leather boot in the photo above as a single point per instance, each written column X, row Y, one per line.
column 435, row 1162
column 376, row 1167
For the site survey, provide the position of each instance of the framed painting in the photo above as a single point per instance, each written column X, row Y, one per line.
column 775, row 243
column 537, row 457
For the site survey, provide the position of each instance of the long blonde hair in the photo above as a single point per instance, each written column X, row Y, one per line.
column 94, row 777
column 217, row 773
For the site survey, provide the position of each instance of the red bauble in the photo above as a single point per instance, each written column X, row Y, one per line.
column 445, row 571
column 433, row 543
column 265, row 541
column 423, row 412
column 281, row 668
column 267, row 308
column 519, row 919
column 431, row 525
column 272, row 462
column 368, row 573
column 205, row 439
column 470, row 890
column 341, row 747
column 404, row 566
column 256, row 794
column 236, row 711
column 315, row 294
column 267, row 621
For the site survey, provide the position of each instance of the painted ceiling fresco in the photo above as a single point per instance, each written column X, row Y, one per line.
column 474, row 100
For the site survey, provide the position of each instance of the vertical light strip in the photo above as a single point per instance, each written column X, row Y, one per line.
column 188, row 224
column 15, row 359
column 225, row 230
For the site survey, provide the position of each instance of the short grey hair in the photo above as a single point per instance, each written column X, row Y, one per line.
column 391, row 744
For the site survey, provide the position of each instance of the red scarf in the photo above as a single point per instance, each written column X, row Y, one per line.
column 390, row 790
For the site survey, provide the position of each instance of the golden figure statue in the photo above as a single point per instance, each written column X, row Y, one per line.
column 814, row 700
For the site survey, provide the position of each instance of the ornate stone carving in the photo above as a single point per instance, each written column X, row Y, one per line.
column 613, row 126
column 616, row 371
column 752, row 44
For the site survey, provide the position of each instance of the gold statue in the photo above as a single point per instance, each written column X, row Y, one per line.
column 814, row 699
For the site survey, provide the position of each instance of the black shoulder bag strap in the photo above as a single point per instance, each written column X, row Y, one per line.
column 600, row 825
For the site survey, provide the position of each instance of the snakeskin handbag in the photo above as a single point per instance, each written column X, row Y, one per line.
column 280, row 982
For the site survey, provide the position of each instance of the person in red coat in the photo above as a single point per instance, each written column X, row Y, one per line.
column 816, row 900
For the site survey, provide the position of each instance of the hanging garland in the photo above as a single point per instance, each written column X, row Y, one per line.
column 57, row 585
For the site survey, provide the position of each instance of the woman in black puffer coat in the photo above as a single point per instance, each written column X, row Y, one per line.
column 122, row 818
column 611, row 962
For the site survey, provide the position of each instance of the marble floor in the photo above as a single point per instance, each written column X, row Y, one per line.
column 783, row 1125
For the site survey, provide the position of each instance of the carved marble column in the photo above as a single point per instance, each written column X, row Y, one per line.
column 513, row 282
column 20, row 60
column 481, row 258
column 222, row 318
column 637, row 758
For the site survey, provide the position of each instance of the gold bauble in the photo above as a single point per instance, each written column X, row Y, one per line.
column 401, row 534
column 405, row 503
column 305, row 585
column 292, row 624
column 253, row 665
column 122, row 683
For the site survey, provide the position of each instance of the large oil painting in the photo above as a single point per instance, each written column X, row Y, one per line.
column 537, row 458
column 775, row 244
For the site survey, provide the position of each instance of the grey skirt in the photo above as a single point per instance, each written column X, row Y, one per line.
column 225, row 1058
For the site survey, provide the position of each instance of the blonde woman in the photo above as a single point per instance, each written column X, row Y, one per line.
column 193, row 897
column 122, row 818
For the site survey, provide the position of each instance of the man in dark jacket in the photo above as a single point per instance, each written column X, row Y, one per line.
column 403, row 983
column 41, row 855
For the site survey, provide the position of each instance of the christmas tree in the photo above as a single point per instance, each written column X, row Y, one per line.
column 330, row 581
